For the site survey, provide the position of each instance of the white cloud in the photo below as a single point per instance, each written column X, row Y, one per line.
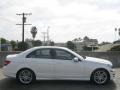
column 68, row 19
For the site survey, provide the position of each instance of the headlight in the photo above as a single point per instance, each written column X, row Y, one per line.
column 110, row 66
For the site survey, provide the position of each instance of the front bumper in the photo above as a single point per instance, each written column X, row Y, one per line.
column 112, row 74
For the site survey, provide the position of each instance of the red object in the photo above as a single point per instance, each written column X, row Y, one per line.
column 6, row 62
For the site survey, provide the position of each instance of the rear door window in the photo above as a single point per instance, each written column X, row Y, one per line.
column 40, row 53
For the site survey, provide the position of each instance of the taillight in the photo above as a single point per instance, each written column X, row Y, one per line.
column 6, row 62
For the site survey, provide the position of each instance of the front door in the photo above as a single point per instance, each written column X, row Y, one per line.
column 65, row 67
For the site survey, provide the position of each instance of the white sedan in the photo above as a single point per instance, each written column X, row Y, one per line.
column 56, row 63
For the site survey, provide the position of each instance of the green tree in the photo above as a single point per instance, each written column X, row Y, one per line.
column 36, row 43
column 3, row 41
column 71, row 45
column 13, row 43
column 22, row 46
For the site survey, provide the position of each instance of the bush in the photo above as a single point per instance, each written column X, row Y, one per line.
column 13, row 43
column 22, row 46
column 36, row 43
column 71, row 45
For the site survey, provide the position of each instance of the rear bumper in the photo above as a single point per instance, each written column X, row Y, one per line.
column 7, row 73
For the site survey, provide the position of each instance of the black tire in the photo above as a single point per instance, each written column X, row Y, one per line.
column 100, row 76
column 25, row 76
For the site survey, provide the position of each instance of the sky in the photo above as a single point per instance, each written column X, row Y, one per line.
column 67, row 19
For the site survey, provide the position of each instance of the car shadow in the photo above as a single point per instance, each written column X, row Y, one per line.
column 8, row 84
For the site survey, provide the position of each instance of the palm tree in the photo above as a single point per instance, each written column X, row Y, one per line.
column 33, row 32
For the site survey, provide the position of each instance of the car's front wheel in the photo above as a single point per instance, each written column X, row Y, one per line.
column 100, row 76
column 25, row 76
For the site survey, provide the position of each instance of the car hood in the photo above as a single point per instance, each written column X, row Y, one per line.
column 97, row 60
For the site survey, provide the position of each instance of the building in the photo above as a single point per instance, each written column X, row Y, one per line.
column 90, row 42
column 80, row 43
column 5, row 47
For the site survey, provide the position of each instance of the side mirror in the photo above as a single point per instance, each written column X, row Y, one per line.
column 76, row 59
column 84, row 57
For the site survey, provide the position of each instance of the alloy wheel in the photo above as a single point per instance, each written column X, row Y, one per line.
column 25, row 76
column 100, row 77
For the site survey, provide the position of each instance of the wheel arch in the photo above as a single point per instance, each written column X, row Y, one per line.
column 100, row 69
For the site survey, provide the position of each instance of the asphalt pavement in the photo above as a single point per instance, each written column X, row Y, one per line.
column 12, row 84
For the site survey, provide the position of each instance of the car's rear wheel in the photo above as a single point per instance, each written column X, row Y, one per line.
column 25, row 76
column 100, row 76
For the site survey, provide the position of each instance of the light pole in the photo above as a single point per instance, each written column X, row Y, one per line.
column 48, row 41
column 44, row 37
column 0, row 44
column 118, row 33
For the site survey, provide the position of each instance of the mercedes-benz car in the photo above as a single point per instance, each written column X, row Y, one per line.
column 56, row 63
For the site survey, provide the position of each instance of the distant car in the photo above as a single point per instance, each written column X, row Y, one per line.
column 56, row 63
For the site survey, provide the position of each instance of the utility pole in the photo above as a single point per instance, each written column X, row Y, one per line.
column 44, row 37
column 23, row 22
column 48, row 35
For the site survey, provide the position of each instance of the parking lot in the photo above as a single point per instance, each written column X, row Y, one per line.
column 11, row 84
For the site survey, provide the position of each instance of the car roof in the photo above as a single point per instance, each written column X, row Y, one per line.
column 49, row 47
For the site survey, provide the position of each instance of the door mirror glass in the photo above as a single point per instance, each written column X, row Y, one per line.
column 76, row 59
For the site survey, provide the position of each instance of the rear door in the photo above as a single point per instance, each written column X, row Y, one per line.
column 41, row 62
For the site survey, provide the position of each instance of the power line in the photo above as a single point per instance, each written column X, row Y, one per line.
column 23, row 22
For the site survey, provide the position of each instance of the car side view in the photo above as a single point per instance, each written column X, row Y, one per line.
column 56, row 63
